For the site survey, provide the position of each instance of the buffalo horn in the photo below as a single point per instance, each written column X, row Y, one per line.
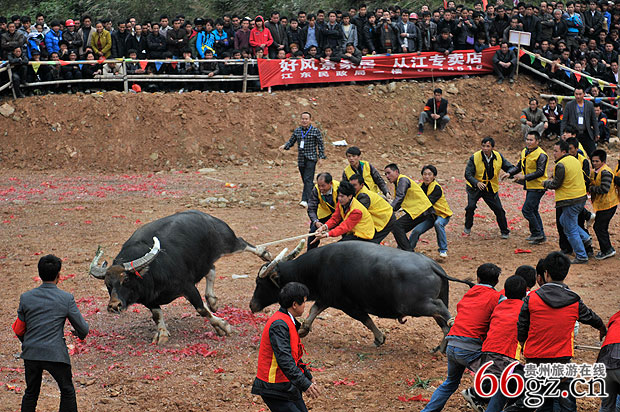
column 95, row 270
column 295, row 251
column 144, row 260
column 267, row 269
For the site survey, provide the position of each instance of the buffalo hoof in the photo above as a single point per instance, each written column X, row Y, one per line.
column 222, row 328
column 212, row 302
column 161, row 337
column 303, row 332
column 379, row 342
column 264, row 254
column 402, row 321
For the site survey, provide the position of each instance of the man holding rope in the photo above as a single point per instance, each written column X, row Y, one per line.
column 435, row 111
column 321, row 204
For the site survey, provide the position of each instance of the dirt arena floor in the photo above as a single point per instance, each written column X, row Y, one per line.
column 68, row 211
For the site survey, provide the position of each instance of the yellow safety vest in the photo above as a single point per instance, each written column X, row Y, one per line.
column 379, row 209
column 573, row 186
column 325, row 209
column 368, row 181
column 365, row 228
column 416, row 202
column 609, row 199
column 481, row 171
column 441, row 206
column 528, row 165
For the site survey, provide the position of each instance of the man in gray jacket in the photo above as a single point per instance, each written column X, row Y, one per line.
column 40, row 326
column 533, row 119
column 579, row 113
column 410, row 37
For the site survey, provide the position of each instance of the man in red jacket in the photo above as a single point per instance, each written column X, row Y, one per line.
column 610, row 356
column 547, row 321
column 468, row 332
column 281, row 375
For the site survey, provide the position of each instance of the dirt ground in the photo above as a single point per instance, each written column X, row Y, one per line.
column 87, row 184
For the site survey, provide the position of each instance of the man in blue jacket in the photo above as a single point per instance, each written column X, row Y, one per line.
column 40, row 326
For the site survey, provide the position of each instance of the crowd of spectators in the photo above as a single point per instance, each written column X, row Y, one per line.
column 581, row 35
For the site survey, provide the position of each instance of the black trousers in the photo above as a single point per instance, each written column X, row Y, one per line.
column 282, row 405
column 562, row 239
column 601, row 228
column 588, row 144
column 404, row 224
column 306, row 170
column 379, row 236
column 313, row 228
column 492, row 200
column 61, row 372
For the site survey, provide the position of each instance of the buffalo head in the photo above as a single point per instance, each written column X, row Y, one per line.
column 267, row 282
column 117, row 276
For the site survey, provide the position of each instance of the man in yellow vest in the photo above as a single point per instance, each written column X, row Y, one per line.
column 372, row 177
column 281, row 375
column 604, row 201
column 351, row 219
column 437, row 197
column 321, row 204
column 379, row 208
column 482, row 176
column 410, row 196
column 531, row 172
column 570, row 198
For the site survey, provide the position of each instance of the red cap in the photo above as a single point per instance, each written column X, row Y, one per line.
column 413, row 16
column 69, row 23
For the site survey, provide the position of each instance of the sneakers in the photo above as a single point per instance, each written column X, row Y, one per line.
column 578, row 261
column 505, row 235
column 511, row 81
column 466, row 231
column 473, row 401
column 587, row 243
column 303, row 204
column 445, row 254
column 602, row 256
column 500, row 81
column 420, row 129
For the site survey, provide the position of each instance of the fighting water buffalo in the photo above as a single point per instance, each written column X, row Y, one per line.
column 164, row 259
column 360, row 278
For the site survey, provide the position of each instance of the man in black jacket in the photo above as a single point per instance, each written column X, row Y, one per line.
column 137, row 42
column 19, row 66
column 177, row 39
column 118, row 40
column 332, row 33
column 156, row 43
column 505, row 63
column 282, row 376
column 278, row 32
column 435, row 111
column 593, row 20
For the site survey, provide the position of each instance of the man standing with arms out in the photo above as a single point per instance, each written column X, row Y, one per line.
column 321, row 204
column 533, row 119
column 435, row 111
column 531, row 172
column 351, row 219
column 579, row 113
column 410, row 196
column 310, row 140
column 570, row 197
column 379, row 208
column 547, row 321
column 437, row 197
column 604, row 201
column 482, row 175
column 281, row 375
column 40, row 326
column 372, row 177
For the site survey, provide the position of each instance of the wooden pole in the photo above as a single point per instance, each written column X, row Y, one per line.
column 245, row 76
column 518, row 55
column 125, row 82
column 10, row 72
column 618, row 111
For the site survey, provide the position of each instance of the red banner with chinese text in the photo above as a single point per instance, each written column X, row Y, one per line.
column 380, row 67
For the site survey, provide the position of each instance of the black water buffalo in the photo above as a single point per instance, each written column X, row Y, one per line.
column 164, row 259
column 360, row 278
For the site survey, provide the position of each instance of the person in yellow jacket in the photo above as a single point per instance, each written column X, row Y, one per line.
column 604, row 201
column 437, row 197
column 372, row 178
column 570, row 198
column 101, row 41
column 351, row 219
column 531, row 172
column 410, row 196
column 482, row 176
column 321, row 204
column 379, row 208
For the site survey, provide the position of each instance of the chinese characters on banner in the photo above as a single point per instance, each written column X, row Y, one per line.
column 380, row 67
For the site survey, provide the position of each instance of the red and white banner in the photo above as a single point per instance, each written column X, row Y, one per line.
column 381, row 67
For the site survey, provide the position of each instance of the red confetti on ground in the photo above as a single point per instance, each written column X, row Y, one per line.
column 465, row 257
column 480, row 216
column 218, row 370
column 522, row 251
column 417, row 398
column 344, row 381
column 312, row 369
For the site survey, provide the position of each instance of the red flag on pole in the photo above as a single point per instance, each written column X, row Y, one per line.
column 143, row 64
